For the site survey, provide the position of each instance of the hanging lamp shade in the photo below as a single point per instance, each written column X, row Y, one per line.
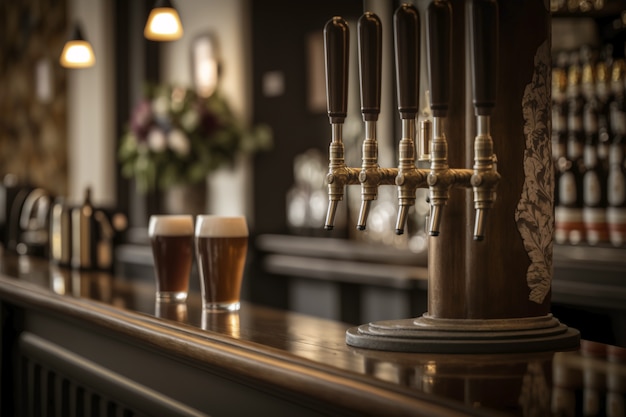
column 163, row 23
column 77, row 52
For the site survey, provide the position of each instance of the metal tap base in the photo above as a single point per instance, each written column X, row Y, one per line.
column 433, row 335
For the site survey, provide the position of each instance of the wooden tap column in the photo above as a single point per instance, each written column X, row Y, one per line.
column 446, row 261
column 496, row 278
column 509, row 273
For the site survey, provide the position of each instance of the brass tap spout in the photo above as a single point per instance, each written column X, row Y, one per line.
column 440, row 178
column 409, row 178
column 371, row 175
column 368, row 177
column 339, row 175
column 485, row 177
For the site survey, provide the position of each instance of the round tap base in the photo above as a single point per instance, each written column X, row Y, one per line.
column 431, row 335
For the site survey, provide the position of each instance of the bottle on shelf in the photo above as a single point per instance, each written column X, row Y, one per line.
column 82, row 229
column 570, row 227
column 594, row 181
column 616, row 188
column 603, row 98
column 559, row 134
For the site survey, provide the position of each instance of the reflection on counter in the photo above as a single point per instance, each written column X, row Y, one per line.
column 227, row 322
column 176, row 311
column 97, row 285
column 589, row 382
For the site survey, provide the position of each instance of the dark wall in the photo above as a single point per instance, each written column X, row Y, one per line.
column 137, row 62
column 279, row 33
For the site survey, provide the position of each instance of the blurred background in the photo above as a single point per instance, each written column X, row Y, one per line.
column 251, row 74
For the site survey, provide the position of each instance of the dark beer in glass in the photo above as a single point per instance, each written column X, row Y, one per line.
column 171, row 237
column 221, row 249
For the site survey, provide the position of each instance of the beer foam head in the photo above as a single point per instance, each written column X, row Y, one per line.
column 221, row 226
column 170, row 225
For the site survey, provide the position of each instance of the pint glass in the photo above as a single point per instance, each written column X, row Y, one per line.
column 171, row 237
column 221, row 248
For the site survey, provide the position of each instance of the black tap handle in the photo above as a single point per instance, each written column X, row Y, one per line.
column 370, row 64
column 439, row 44
column 484, row 53
column 336, row 46
column 407, row 40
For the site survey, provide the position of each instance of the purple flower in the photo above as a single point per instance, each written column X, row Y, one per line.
column 141, row 119
column 209, row 122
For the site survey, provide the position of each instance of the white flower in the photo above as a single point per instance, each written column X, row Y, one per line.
column 156, row 140
column 161, row 106
column 178, row 142
column 178, row 98
column 189, row 120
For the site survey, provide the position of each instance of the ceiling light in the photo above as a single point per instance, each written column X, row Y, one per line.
column 163, row 23
column 77, row 52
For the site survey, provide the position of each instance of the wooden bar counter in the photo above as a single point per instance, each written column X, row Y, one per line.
column 91, row 343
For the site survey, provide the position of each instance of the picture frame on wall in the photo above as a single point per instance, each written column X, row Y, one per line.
column 205, row 64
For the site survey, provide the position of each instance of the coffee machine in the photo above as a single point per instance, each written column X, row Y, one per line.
column 24, row 217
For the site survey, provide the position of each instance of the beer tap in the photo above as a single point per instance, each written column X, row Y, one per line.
column 484, row 54
column 441, row 177
column 409, row 178
column 336, row 45
column 370, row 65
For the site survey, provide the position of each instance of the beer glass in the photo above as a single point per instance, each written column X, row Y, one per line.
column 171, row 237
column 221, row 249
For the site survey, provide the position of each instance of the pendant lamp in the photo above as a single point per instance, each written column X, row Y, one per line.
column 77, row 52
column 163, row 23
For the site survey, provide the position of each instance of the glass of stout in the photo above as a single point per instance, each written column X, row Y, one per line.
column 171, row 237
column 221, row 249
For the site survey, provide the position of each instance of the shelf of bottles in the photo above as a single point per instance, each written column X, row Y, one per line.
column 588, row 142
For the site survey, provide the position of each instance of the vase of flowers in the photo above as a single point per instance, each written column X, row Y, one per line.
column 176, row 138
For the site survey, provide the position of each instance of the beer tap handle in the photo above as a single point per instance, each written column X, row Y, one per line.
column 406, row 37
column 336, row 44
column 483, row 16
column 370, row 64
column 370, row 68
column 407, row 42
column 484, row 54
column 336, row 47
column 439, row 55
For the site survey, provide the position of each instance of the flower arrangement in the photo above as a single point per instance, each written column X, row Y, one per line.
column 177, row 137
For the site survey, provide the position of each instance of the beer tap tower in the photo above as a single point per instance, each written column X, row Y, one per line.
column 485, row 303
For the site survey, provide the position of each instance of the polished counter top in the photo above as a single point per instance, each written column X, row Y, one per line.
column 299, row 353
